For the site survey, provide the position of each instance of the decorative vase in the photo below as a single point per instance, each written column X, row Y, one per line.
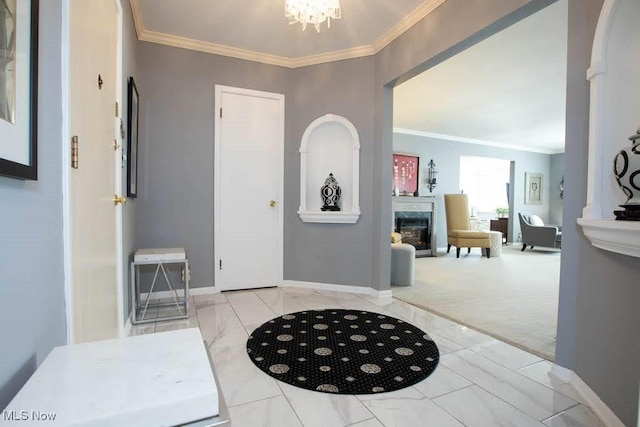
column 626, row 168
column 330, row 193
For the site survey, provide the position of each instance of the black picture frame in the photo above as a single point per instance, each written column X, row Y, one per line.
column 9, row 168
column 133, row 115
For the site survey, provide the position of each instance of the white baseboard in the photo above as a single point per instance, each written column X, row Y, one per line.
column 360, row 290
column 561, row 373
column 599, row 408
column 206, row 290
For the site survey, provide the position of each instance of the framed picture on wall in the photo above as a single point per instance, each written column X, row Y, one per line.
column 19, row 88
column 533, row 188
column 132, row 145
column 406, row 171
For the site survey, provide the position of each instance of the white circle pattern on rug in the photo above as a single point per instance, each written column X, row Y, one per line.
column 308, row 349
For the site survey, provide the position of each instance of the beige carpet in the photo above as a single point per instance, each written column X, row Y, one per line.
column 513, row 297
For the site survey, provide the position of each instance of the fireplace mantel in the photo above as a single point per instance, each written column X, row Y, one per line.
column 418, row 205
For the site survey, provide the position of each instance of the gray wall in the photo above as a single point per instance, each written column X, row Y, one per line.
column 32, row 307
column 129, row 66
column 176, row 161
column 175, row 195
column 555, row 178
column 598, row 314
column 176, row 208
column 446, row 155
column 330, row 253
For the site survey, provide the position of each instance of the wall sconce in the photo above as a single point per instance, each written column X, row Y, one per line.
column 432, row 173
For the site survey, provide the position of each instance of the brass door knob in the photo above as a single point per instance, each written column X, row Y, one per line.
column 122, row 200
column 272, row 203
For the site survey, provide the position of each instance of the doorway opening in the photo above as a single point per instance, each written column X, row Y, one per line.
column 498, row 106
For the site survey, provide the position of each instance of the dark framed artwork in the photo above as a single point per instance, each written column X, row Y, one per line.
column 132, row 143
column 406, row 171
column 19, row 88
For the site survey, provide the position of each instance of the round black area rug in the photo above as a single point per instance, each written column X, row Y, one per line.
column 343, row 351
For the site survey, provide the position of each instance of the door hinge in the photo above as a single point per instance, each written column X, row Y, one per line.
column 117, row 110
column 220, row 112
column 220, row 264
column 74, row 152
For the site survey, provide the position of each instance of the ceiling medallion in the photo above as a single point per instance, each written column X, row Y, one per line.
column 312, row 12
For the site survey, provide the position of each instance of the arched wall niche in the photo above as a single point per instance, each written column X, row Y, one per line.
column 330, row 144
column 614, row 116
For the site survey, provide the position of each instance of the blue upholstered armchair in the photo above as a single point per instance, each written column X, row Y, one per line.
column 535, row 233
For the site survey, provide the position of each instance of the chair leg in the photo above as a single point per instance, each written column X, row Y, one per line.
column 524, row 246
column 448, row 248
column 457, row 252
column 468, row 250
column 488, row 252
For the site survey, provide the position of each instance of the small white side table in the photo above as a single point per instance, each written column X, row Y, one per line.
column 496, row 244
column 177, row 305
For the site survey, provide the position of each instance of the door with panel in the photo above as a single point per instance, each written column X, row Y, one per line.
column 248, row 187
column 94, row 86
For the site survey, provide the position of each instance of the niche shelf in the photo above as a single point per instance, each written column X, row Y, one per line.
column 614, row 115
column 330, row 144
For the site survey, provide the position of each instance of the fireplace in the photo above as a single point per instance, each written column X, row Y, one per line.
column 414, row 219
column 414, row 228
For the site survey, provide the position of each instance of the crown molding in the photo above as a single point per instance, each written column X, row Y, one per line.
column 397, row 30
column 474, row 141
column 137, row 17
column 338, row 55
column 409, row 21
column 250, row 55
column 217, row 49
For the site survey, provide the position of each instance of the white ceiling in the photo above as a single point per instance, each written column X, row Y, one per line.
column 258, row 29
column 508, row 90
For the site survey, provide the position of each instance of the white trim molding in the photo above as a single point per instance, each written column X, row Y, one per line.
column 329, row 217
column 359, row 290
column 596, row 75
column 409, row 21
column 474, row 141
column 622, row 237
column 599, row 408
column 396, row 31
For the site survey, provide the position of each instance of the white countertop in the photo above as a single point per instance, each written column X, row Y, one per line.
column 162, row 379
column 160, row 254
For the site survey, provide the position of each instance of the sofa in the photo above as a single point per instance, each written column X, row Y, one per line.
column 536, row 233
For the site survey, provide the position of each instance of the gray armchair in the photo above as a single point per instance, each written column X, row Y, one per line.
column 535, row 233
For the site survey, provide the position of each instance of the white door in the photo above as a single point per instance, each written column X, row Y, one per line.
column 249, row 145
column 94, row 85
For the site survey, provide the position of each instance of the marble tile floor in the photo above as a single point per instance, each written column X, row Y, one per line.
column 480, row 381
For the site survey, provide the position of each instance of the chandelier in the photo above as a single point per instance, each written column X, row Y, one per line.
column 312, row 12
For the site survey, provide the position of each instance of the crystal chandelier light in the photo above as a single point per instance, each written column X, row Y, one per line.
column 312, row 12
